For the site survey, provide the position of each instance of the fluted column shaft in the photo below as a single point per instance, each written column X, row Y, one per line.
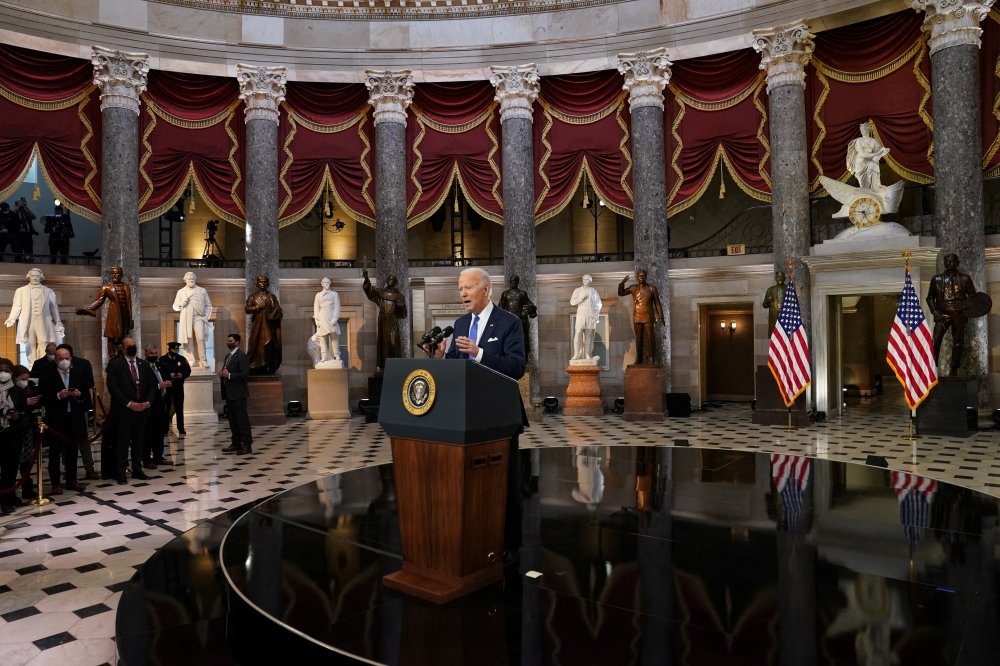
column 785, row 51
column 646, row 75
column 517, row 89
column 958, row 172
column 121, row 76
column 390, row 94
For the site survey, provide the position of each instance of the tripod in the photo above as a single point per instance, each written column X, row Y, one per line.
column 210, row 245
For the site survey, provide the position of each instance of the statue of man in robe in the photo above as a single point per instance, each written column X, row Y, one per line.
column 391, row 308
column 326, row 314
column 196, row 310
column 36, row 314
column 119, row 322
column 264, row 348
column 588, row 313
column 517, row 302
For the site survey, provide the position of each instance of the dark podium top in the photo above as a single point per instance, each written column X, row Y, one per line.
column 472, row 403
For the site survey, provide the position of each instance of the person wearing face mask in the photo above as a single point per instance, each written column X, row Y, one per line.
column 156, row 424
column 48, row 361
column 81, row 368
column 132, row 386
column 234, row 373
column 22, row 380
column 13, row 420
column 65, row 391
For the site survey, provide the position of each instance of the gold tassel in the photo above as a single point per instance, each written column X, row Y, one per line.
column 456, row 210
column 37, row 193
column 586, row 199
column 191, row 204
column 722, row 184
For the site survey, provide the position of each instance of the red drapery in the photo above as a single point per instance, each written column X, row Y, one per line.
column 876, row 70
column 989, row 77
column 191, row 130
column 327, row 143
column 452, row 130
column 716, row 114
column 581, row 125
column 48, row 103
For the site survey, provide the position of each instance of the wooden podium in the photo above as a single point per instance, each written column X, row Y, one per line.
column 451, row 472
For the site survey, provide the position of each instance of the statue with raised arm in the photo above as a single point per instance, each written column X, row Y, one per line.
column 119, row 322
column 588, row 313
column 773, row 298
column 264, row 348
column 648, row 311
column 391, row 308
column 196, row 310
column 517, row 302
column 36, row 314
column 326, row 315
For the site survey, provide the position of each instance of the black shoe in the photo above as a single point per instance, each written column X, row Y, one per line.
column 122, row 480
column 233, row 448
column 246, row 450
column 140, row 475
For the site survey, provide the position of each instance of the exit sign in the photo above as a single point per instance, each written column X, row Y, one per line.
column 736, row 249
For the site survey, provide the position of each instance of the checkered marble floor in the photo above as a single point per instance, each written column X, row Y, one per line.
column 62, row 570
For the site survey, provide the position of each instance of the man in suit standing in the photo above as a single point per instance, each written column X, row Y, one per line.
column 234, row 373
column 156, row 424
column 494, row 337
column 65, row 392
column 48, row 361
column 175, row 367
column 132, row 386
column 82, row 366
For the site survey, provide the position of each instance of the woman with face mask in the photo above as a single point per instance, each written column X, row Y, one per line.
column 22, row 380
column 13, row 420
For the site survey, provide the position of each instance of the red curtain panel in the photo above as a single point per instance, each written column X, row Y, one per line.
column 989, row 92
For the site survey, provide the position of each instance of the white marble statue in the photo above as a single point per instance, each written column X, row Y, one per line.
column 196, row 310
column 863, row 157
column 37, row 316
column 326, row 313
column 588, row 312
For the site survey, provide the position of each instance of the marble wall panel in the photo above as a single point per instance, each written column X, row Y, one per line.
column 565, row 25
column 443, row 34
column 390, row 35
column 327, row 34
column 129, row 14
column 269, row 30
column 189, row 22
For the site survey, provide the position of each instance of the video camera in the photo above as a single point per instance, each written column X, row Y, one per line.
column 58, row 223
column 211, row 228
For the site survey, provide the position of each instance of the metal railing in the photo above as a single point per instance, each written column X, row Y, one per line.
column 751, row 227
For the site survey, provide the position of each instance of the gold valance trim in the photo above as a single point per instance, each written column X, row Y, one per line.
column 177, row 121
column 415, row 171
column 148, row 153
column 717, row 105
column 86, row 152
column 872, row 74
column 723, row 158
column 677, row 152
column 370, row 221
column 452, row 129
column 546, row 186
column 40, row 105
column 234, row 146
column 582, row 120
column 623, row 147
column 760, row 134
column 288, row 165
column 489, row 158
column 319, row 128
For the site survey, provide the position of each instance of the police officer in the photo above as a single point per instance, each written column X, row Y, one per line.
column 176, row 369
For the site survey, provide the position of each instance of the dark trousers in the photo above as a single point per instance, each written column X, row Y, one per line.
column 61, row 248
column 131, row 435
column 10, row 462
column 26, row 244
column 239, row 422
column 73, row 426
column 8, row 240
column 514, row 509
column 152, row 450
column 175, row 404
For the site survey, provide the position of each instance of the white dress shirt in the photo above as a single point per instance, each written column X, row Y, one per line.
column 484, row 317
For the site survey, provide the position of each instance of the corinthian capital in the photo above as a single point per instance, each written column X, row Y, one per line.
column 121, row 77
column 517, row 89
column 952, row 22
column 647, row 73
column 263, row 89
column 785, row 52
column 390, row 93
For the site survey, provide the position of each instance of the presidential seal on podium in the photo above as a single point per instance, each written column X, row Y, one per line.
column 418, row 392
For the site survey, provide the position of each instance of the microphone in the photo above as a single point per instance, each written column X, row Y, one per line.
column 443, row 335
column 429, row 335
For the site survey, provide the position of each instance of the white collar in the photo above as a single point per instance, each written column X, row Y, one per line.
column 485, row 314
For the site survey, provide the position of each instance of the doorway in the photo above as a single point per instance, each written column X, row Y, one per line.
column 860, row 327
column 728, row 338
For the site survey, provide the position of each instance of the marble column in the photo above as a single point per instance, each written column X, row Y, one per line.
column 517, row 88
column 121, row 77
column 955, row 38
column 390, row 93
column 263, row 90
column 646, row 75
column 785, row 51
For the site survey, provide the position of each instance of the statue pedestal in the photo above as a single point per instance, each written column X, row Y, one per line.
column 583, row 396
column 945, row 411
column 644, row 396
column 327, row 393
column 770, row 406
column 266, row 404
column 199, row 408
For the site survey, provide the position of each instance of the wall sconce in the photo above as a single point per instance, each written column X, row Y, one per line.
column 732, row 325
column 723, row 324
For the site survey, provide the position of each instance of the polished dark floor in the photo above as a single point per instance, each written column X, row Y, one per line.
column 631, row 555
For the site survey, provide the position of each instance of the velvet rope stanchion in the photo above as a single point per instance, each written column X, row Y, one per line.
column 41, row 500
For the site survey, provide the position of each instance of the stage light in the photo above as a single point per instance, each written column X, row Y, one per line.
column 551, row 404
column 619, row 405
column 876, row 461
column 57, row 203
column 294, row 408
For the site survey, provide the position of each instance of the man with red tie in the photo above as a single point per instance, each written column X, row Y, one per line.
column 132, row 385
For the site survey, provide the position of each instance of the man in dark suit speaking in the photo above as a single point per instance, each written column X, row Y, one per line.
column 491, row 336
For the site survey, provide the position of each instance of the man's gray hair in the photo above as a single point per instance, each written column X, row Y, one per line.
column 147, row 348
column 482, row 276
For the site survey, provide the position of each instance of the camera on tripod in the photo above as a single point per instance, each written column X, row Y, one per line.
column 212, row 253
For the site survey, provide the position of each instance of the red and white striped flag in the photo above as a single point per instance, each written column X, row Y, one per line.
column 911, row 347
column 788, row 355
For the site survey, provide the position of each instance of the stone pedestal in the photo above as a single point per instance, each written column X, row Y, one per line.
column 771, row 408
column 327, row 394
column 945, row 411
column 199, row 407
column 644, row 396
column 266, row 404
column 533, row 411
column 583, row 397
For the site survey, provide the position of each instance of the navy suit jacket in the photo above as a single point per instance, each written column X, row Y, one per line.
column 502, row 342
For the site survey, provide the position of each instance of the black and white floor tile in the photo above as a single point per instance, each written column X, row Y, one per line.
column 62, row 569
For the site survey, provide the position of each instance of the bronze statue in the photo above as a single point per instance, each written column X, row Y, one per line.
column 119, row 322
column 647, row 312
column 264, row 348
column 953, row 300
column 391, row 308
column 516, row 302
column 773, row 298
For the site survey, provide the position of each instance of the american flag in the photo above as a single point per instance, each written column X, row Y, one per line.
column 911, row 348
column 791, row 476
column 915, row 494
column 788, row 355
